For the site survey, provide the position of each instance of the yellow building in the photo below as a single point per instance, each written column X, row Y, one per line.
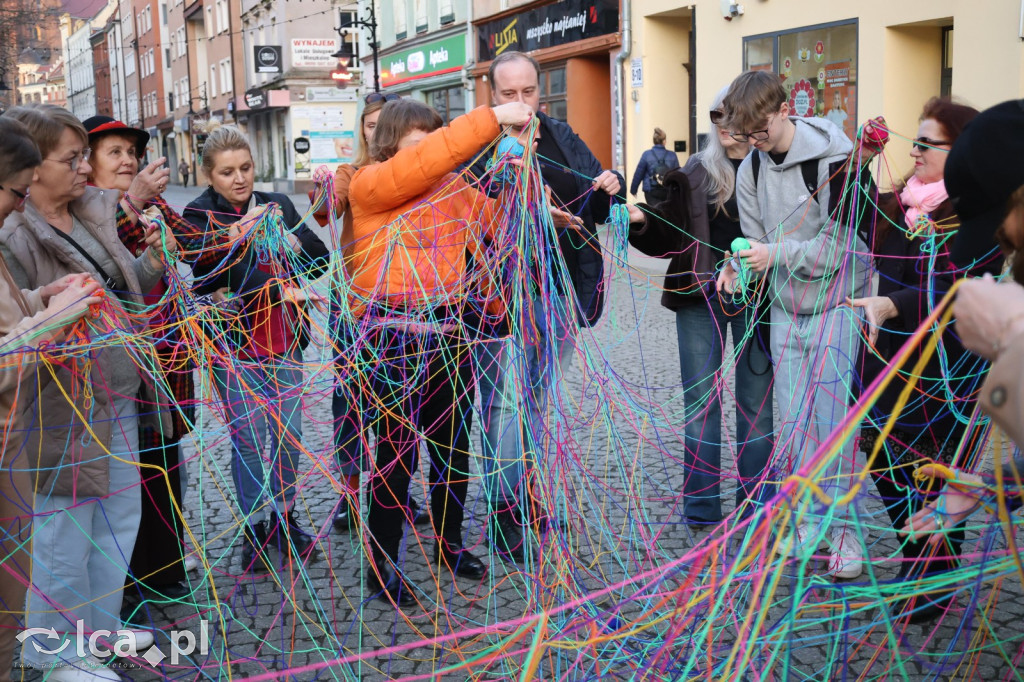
column 843, row 60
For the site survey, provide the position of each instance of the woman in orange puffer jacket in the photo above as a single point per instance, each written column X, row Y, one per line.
column 414, row 222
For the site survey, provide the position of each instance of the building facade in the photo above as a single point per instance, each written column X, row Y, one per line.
column 846, row 62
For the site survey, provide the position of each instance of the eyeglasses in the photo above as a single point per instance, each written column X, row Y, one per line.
column 755, row 135
column 22, row 198
column 75, row 162
column 374, row 97
column 717, row 116
column 924, row 143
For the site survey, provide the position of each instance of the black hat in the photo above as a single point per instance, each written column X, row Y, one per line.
column 98, row 126
column 984, row 168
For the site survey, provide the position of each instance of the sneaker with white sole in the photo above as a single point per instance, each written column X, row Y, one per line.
column 87, row 669
column 191, row 563
column 847, row 560
column 802, row 540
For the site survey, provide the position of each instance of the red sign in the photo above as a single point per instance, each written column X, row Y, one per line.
column 801, row 98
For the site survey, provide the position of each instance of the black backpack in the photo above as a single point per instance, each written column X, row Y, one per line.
column 658, row 173
column 857, row 206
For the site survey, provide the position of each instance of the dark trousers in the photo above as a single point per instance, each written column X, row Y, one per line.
column 156, row 559
column 893, row 472
column 420, row 388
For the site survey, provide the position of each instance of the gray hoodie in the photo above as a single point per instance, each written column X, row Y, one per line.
column 816, row 268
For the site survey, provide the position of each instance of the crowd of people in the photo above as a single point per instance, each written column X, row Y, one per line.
column 463, row 276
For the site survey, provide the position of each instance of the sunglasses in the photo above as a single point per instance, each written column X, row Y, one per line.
column 717, row 116
column 22, row 197
column 374, row 97
column 924, row 143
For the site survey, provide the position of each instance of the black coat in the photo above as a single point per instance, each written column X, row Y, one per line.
column 679, row 228
column 582, row 252
column 243, row 275
column 904, row 276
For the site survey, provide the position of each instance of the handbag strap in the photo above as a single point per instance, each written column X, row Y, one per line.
column 107, row 280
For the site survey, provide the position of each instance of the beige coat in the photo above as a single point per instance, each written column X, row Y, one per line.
column 69, row 460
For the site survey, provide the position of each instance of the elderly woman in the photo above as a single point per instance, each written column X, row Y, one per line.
column 25, row 325
column 260, row 375
column 87, row 482
column 156, row 563
column 914, row 269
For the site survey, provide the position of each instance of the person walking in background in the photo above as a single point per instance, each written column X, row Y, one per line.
column 183, row 169
column 655, row 164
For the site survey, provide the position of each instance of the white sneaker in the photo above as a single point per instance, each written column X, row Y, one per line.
column 88, row 669
column 144, row 639
column 801, row 540
column 847, row 561
column 192, row 563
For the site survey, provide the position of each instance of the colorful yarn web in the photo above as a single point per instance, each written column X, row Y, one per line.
column 622, row 587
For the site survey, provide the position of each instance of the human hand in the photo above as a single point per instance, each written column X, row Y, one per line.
column 727, row 278
column 149, row 183
column 758, row 257
column 635, row 214
column 877, row 311
column 72, row 302
column 562, row 219
column 607, row 182
column 988, row 314
column 155, row 245
column 296, row 295
column 515, row 114
column 53, row 288
column 958, row 499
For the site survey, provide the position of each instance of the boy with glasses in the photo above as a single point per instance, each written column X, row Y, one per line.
column 811, row 261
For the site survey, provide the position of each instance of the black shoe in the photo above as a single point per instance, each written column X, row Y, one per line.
column 347, row 516
column 254, row 556
column 459, row 561
column 506, row 537
column 383, row 580
column 288, row 536
column 420, row 516
column 695, row 522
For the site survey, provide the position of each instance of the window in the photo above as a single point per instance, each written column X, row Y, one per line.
column 399, row 9
column 553, row 101
column 946, row 78
column 226, row 80
column 222, row 15
column 149, row 18
column 446, row 10
column 208, row 21
column 167, row 55
column 421, row 16
column 163, row 13
column 213, row 80
column 129, row 64
column 449, row 103
column 820, row 66
column 181, row 42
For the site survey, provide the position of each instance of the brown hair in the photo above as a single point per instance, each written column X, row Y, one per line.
column 222, row 138
column 950, row 115
column 18, row 151
column 363, row 148
column 505, row 58
column 752, row 98
column 398, row 119
column 659, row 136
column 46, row 124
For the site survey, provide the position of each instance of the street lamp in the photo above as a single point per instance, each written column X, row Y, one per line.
column 346, row 52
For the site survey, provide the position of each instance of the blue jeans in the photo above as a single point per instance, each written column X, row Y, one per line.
column 702, row 333
column 348, row 404
column 263, row 397
column 515, row 376
column 815, row 373
column 81, row 549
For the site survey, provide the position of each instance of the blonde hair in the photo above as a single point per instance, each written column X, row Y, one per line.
column 363, row 148
column 46, row 124
column 659, row 136
column 720, row 182
column 221, row 138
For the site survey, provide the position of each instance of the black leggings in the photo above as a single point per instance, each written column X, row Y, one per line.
column 420, row 387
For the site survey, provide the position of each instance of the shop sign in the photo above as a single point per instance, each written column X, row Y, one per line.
column 301, row 145
column 267, row 58
column 330, row 94
column 255, row 99
column 314, row 53
column 429, row 59
column 334, row 146
column 556, row 24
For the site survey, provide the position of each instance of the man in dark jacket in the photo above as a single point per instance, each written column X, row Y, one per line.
column 579, row 186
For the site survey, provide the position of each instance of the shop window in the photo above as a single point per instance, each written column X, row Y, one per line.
column 421, row 16
column 553, row 99
column 818, row 67
column 449, row 103
column 447, row 11
column 946, row 79
column 398, row 8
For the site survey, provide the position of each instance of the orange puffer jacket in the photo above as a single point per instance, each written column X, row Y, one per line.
column 414, row 219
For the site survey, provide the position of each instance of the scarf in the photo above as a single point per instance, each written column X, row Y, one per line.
column 920, row 199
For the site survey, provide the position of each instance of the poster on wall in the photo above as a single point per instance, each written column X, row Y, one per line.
column 801, row 98
column 331, row 146
column 840, row 97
